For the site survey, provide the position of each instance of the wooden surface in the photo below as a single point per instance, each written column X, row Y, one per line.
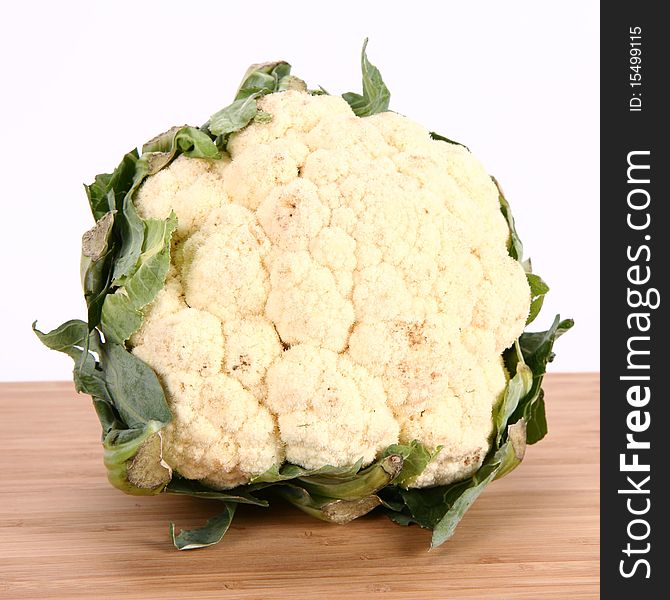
column 65, row 533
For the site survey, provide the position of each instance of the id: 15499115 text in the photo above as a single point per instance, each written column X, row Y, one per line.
column 635, row 66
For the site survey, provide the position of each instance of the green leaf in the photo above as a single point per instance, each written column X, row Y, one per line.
column 441, row 138
column 415, row 460
column 129, row 401
column 137, row 395
column 259, row 80
column 235, row 116
column 130, row 233
column 108, row 190
column 428, row 505
column 265, row 78
column 123, row 447
column 538, row 290
column 160, row 151
column 211, row 533
column 122, row 311
column 188, row 487
column 333, row 511
column 375, row 97
column 537, row 420
column 119, row 377
column 107, row 415
column 514, row 245
column 391, row 498
column 362, row 484
column 73, row 338
column 97, row 253
column 537, row 346
column 537, row 351
column 186, row 140
column 400, row 518
column 516, row 436
column 468, row 492
column 288, row 471
column 516, row 389
column 111, row 193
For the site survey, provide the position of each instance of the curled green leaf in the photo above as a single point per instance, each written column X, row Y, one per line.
column 186, row 140
column 327, row 509
column 538, row 290
column 121, row 314
column 73, row 338
column 134, row 460
column 209, row 534
column 468, row 492
column 129, row 401
column 364, row 483
column 259, row 80
column 235, row 116
column 415, row 460
column 108, row 190
column 441, row 138
column 287, row 471
column 376, row 95
column 188, row 487
column 516, row 435
column 514, row 245
column 516, row 389
column 95, row 267
column 265, row 78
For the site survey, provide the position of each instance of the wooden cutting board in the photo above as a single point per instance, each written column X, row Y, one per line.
column 65, row 533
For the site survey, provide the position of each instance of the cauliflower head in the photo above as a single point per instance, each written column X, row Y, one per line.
column 337, row 284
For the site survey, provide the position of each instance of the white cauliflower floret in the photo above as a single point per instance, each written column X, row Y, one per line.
column 186, row 340
column 258, row 170
column 334, row 413
column 461, row 424
column 293, row 214
column 338, row 285
column 221, row 265
column 219, row 433
column 192, row 187
column 251, row 346
column 305, row 304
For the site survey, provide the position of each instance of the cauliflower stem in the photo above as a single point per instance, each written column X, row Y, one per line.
column 357, row 289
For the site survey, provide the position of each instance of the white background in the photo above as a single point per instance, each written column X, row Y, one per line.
column 84, row 82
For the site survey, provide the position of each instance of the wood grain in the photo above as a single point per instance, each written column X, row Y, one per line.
column 67, row 534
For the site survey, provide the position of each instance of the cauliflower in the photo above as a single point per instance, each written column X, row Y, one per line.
column 339, row 285
column 314, row 294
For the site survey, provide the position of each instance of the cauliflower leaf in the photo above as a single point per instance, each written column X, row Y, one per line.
column 376, row 95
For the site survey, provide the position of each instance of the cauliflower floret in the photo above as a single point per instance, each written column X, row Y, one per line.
column 334, row 413
column 191, row 187
column 339, row 284
column 221, row 265
column 251, row 346
column 219, row 433
column 293, row 214
column 186, row 340
column 257, row 170
column 461, row 425
column 305, row 304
